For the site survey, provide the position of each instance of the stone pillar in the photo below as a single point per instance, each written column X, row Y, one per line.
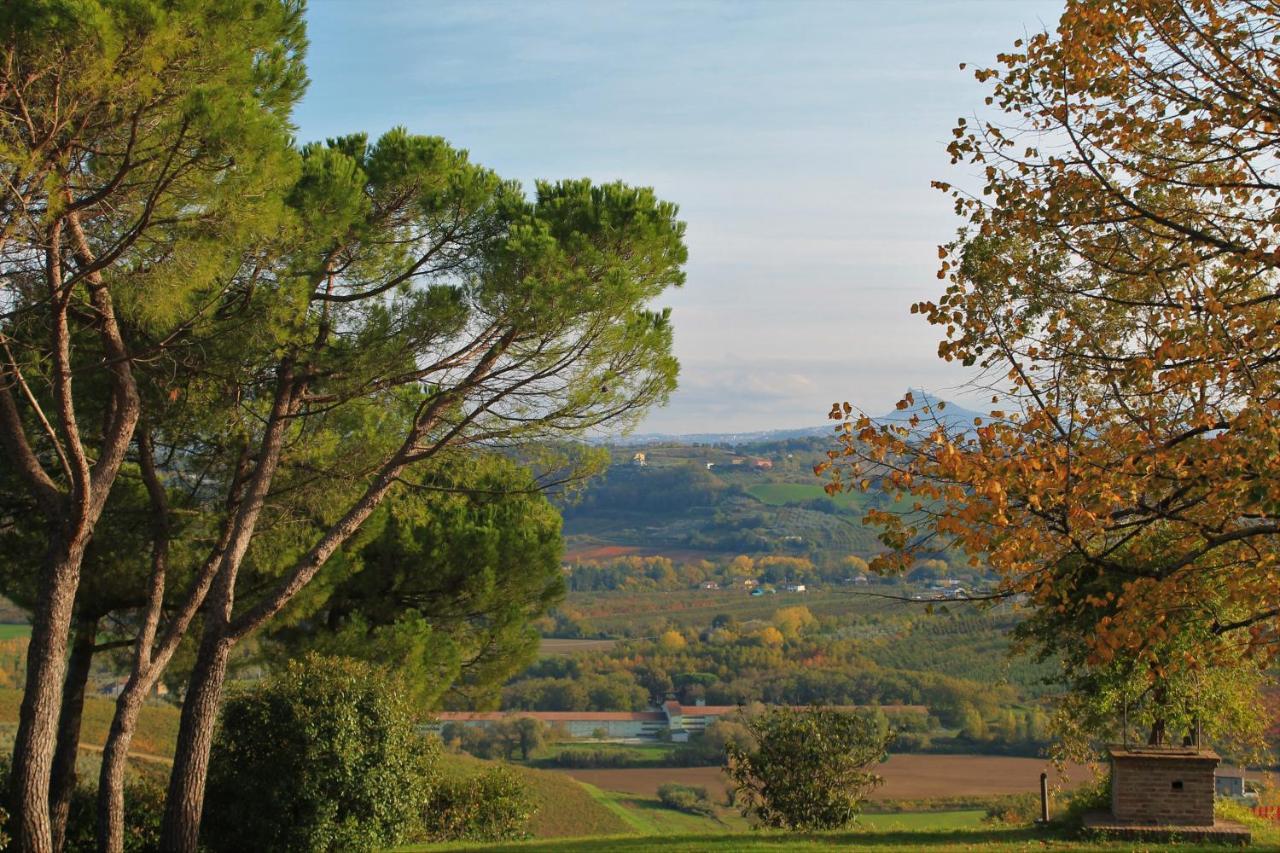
column 1162, row 785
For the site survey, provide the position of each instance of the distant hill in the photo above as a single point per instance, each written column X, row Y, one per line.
column 926, row 407
column 955, row 416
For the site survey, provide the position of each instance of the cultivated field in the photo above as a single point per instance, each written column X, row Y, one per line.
column 907, row 777
column 555, row 646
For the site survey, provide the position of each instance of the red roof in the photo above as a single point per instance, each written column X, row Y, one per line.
column 547, row 716
column 671, row 707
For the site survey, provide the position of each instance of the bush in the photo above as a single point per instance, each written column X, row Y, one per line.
column 1090, row 797
column 810, row 768
column 143, row 812
column 1014, row 810
column 495, row 805
column 321, row 757
column 685, row 798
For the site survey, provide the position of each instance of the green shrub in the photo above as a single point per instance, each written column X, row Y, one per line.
column 494, row 805
column 143, row 813
column 1238, row 812
column 1015, row 810
column 810, row 768
column 1093, row 796
column 323, row 756
column 686, row 798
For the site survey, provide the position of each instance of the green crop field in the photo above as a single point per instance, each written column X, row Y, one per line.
column 781, row 494
column 14, row 632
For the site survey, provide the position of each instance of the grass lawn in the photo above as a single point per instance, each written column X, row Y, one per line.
column 923, row 821
column 14, row 632
column 943, row 839
column 647, row 816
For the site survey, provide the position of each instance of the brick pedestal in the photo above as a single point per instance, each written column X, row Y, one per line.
column 1162, row 786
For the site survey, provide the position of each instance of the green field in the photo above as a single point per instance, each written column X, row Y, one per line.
column 781, row 494
column 656, row 754
column 14, row 632
column 862, row 841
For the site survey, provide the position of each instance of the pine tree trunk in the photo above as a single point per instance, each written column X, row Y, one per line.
column 42, row 700
column 115, row 761
column 62, row 780
column 185, row 801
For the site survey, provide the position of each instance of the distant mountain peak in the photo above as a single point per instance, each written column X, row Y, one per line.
column 952, row 414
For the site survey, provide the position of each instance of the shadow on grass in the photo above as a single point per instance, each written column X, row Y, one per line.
column 864, row 840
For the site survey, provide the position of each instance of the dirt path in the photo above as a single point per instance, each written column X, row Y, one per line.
column 141, row 756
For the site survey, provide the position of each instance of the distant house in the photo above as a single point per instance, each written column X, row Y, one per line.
column 750, row 583
column 639, row 460
column 737, row 460
column 710, row 585
column 710, row 465
column 794, row 587
column 1229, row 781
column 113, row 689
column 762, row 464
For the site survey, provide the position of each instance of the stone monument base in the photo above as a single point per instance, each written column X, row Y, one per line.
column 1104, row 823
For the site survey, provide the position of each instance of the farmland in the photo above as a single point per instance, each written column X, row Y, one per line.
column 907, row 777
column 781, row 494
column 558, row 646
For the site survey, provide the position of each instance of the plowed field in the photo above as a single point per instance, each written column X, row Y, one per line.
column 907, row 777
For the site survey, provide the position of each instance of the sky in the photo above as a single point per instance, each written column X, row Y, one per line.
column 798, row 138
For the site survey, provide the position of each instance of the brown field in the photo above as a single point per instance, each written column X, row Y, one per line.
column 586, row 552
column 556, row 646
column 907, row 777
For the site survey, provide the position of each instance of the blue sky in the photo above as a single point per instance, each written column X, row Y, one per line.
column 798, row 138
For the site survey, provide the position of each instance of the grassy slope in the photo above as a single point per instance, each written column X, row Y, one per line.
column 565, row 807
column 157, row 728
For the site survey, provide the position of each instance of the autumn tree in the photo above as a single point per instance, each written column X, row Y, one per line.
column 1116, row 285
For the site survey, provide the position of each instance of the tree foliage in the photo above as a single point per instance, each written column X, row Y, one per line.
column 443, row 583
column 323, row 756
column 1116, row 285
column 807, row 768
column 493, row 805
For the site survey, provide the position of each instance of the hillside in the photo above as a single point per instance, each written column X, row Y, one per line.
column 730, row 493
